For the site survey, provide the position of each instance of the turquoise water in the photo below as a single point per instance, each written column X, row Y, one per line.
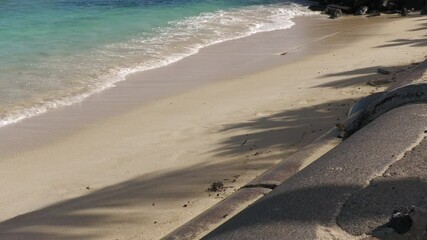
column 57, row 52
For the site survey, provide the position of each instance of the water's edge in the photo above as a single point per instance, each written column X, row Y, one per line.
column 279, row 18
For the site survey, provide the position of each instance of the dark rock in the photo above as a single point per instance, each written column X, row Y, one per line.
column 376, row 7
column 424, row 10
column 335, row 13
column 404, row 12
column 317, row 7
column 378, row 82
column 361, row 10
column 374, row 13
column 344, row 8
column 415, row 4
column 400, row 220
column 383, row 71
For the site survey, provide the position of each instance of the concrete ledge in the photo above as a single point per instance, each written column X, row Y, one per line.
column 307, row 204
column 366, row 111
column 408, row 94
column 410, row 89
column 213, row 217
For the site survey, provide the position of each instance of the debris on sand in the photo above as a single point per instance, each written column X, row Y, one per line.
column 216, row 187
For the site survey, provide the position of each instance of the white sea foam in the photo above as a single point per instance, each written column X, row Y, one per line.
column 107, row 65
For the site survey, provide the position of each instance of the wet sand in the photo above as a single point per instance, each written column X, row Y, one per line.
column 134, row 162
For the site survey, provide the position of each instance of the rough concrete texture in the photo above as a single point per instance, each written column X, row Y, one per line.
column 297, row 161
column 312, row 198
column 403, row 184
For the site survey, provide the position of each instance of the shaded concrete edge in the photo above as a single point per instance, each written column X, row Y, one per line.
column 410, row 89
column 297, row 199
column 216, row 215
column 400, row 94
column 208, row 220
column 405, row 95
column 299, row 160
column 417, row 74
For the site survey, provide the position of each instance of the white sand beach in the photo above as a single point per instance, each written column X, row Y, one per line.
column 135, row 161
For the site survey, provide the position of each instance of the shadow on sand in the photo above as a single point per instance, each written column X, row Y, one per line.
column 94, row 213
column 87, row 217
column 98, row 209
column 420, row 42
column 362, row 75
column 290, row 129
column 105, row 208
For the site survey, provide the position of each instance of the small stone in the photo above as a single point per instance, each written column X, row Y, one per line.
column 377, row 82
column 362, row 10
column 404, row 12
column 400, row 220
column 383, row 71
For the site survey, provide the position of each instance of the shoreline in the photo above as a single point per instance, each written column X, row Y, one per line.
column 110, row 80
column 126, row 95
column 137, row 166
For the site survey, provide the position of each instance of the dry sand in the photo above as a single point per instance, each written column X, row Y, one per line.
column 135, row 161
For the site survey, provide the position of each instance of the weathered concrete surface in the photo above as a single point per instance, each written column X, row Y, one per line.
column 203, row 223
column 380, row 104
column 310, row 201
column 403, row 184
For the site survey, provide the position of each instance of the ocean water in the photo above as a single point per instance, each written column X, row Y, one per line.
column 57, row 52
